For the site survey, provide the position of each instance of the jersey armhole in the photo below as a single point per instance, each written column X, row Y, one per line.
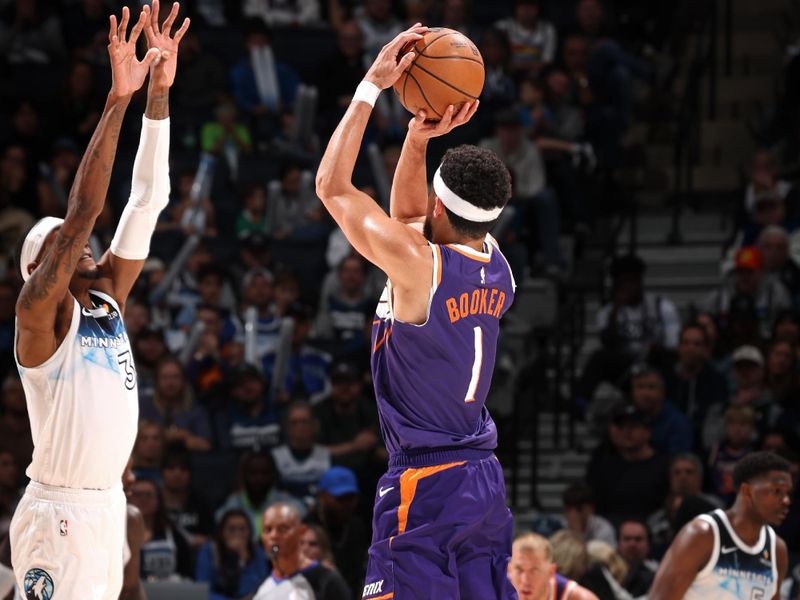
column 712, row 560
column 68, row 339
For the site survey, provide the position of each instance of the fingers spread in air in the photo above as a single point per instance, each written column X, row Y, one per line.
column 154, row 16
column 112, row 29
column 173, row 14
column 123, row 26
column 137, row 28
column 182, row 31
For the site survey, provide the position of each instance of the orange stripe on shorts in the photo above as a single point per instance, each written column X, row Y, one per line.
column 408, row 488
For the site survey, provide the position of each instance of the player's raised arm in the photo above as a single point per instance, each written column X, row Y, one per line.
column 409, row 197
column 689, row 553
column 48, row 276
column 150, row 181
column 400, row 251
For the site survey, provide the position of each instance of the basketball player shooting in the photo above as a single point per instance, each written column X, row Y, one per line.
column 73, row 354
column 727, row 555
column 440, row 522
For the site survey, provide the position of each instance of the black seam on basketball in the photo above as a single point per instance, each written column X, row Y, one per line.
column 454, row 57
column 405, row 83
column 447, row 83
column 433, row 41
column 424, row 97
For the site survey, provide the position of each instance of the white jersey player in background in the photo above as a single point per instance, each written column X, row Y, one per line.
column 73, row 354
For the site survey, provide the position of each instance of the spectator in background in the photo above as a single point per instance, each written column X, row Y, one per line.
column 15, row 427
column 247, row 419
column 306, row 376
column 225, row 137
column 607, row 571
column 149, row 348
column 580, row 517
column 30, row 33
column 340, row 74
column 172, row 406
column 537, row 203
column 685, row 481
column 633, row 545
column 628, row 477
column 693, row 385
column 80, row 104
column 739, row 440
column 499, row 90
column 764, row 180
column 769, row 295
column 317, row 547
column 262, row 85
column 533, row 40
column 293, row 573
column 569, row 554
column 349, row 421
column 634, row 326
column 254, row 216
column 455, row 14
column 186, row 510
column 376, row 21
column 201, row 82
column 148, row 450
column 671, row 429
column 85, row 30
column 279, row 13
column 346, row 308
column 749, row 389
column 337, row 499
column 773, row 242
column 165, row 553
column 781, row 373
column 255, row 489
column 232, row 563
column 27, row 130
column 19, row 191
column 532, row 572
column 299, row 216
column 287, row 293
column 300, row 462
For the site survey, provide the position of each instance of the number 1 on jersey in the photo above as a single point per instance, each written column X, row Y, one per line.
column 476, row 366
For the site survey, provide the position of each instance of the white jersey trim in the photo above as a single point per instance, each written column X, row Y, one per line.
column 756, row 548
column 714, row 558
column 493, row 242
column 107, row 298
column 773, row 542
column 62, row 347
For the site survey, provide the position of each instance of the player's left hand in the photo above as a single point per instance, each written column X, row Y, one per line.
column 387, row 67
column 162, row 73
column 421, row 129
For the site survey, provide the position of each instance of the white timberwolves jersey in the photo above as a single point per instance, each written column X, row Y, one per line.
column 83, row 402
column 736, row 570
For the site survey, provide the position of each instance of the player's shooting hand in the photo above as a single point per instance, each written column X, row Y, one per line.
column 163, row 71
column 389, row 65
column 127, row 72
column 421, row 129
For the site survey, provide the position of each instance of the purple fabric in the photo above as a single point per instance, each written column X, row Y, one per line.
column 561, row 586
column 422, row 373
column 457, row 538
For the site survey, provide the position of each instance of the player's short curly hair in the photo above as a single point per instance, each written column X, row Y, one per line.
column 478, row 176
column 758, row 464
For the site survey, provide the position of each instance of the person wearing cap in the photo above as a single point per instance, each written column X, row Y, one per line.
column 72, row 350
column 671, row 429
column 628, row 476
column 348, row 422
column 768, row 293
column 634, row 326
column 293, row 574
column 247, row 419
column 335, row 511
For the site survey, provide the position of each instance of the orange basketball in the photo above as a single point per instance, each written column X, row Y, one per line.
column 447, row 69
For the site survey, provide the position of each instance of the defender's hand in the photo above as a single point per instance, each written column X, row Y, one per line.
column 127, row 72
column 163, row 71
column 421, row 130
column 387, row 68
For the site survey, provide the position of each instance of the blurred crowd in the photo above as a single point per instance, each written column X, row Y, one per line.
column 251, row 320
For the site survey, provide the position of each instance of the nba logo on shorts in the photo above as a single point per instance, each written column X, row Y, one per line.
column 38, row 585
column 62, row 527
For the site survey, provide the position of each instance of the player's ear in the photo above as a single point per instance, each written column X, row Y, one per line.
column 31, row 267
column 438, row 207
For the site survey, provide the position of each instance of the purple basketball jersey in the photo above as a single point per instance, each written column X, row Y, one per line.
column 431, row 380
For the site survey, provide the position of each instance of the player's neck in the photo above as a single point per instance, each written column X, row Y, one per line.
column 286, row 566
column 744, row 524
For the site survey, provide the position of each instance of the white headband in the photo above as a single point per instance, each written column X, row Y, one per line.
column 459, row 206
column 34, row 241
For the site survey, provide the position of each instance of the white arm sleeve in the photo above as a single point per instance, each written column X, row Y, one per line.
column 149, row 192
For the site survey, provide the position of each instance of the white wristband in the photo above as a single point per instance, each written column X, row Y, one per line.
column 367, row 92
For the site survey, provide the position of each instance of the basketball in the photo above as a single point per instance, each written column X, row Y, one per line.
column 447, row 69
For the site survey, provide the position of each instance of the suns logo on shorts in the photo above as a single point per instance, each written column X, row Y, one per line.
column 38, row 585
